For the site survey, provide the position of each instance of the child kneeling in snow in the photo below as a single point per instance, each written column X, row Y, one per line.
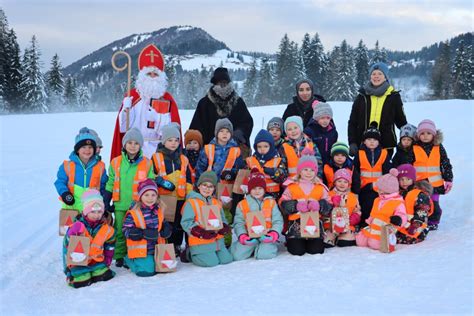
column 264, row 247
column 388, row 208
column 92, row 224
column 144, row 227
column 206, row 247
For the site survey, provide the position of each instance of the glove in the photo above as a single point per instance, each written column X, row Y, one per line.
column 245, row 240
column 395, row 220
column 228, row 175
column 448, row 185
column 127, row 102
column 151, row 115
column 135, row 234
column 166, row 230
column 198, row 231
column 413, row 227
column 150, row 234
column 302, row 206
column 289, row 207
column 224, row 230
column 108, row 256
column 336, row 200
column 354, row 219
column 353, row 149
column 239, row 137
column 269, row 171
column 313, row 206
column 68, row 198
column 165, row 184
column 271, row 237
column 76, row 229
column 324, row 207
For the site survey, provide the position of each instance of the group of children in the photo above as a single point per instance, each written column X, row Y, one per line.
column 293, row 171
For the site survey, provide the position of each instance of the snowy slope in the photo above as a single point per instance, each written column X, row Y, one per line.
column 432, row 277
column 218, row 59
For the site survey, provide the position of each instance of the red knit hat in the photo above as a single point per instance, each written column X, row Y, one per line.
column 256, row 179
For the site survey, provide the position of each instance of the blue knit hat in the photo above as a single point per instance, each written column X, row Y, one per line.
column 84, row 138
column 294, row 119
column 383, row 67
column 264, row 136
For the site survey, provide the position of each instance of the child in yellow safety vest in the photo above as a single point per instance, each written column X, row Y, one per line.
column 90, row 223
column 264, row 247
column 389, row 208
column 193, row 144
column 144, row 227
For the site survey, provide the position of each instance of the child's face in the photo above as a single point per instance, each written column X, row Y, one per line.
column 224, row 135
column 95, row 215
column 405, row 182
column 263, row 148
column 371, row 143
column 132, row 147
column 307, row 174
column 341, row 185
column 192, row 145
column 172, row 143
column 293, row 131
column 85, row 152
column 339, row 159
column 426, row 137
column 275, row 132
column 258, row 193
column 406, row 142
column 324, row 121
column 206, row 189
column 149, row 198
column 304, row 92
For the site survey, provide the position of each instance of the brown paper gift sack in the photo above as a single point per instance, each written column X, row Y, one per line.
column 241, row 175
column 256, row 226
column 224, row 193
column 309, row 225
column 388, row 238
column 78, row 251
column 66, row 218
column 211, row 217
column 340, row 220
column 165, row 258
column 168, row 203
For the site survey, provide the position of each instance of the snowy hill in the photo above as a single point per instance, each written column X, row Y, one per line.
column 435, row 276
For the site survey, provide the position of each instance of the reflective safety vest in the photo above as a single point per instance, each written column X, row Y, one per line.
column 380, row 217
column 329, row 175
column 138, row 249
column 298, row 194
column 273, row 163
column 350, row 203
column 94, row 183
column 210, row 150
column 159, row 163
column 410, row 201
column 369, row 174
column 428, row 167
column 140, row 174
column 197, row 204
column 292, row 157
column 267, row 208
column 193, row 173
column 96, row 251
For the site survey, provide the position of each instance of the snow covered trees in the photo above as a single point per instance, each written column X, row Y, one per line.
column 462, row 72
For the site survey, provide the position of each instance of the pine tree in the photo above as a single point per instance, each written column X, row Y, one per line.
column 13, row 74
column 264, row 95
column 462, row 73
column 55, row 83
column 286, row 74
column 203, row 81
column 362, row 63
column 379, row 55
column 250, row 84
column 315, row 61
column 70, row 93
column 171, row 74
column 83, row 97
column 343, row 85
column 3, row 55
column 440, row 77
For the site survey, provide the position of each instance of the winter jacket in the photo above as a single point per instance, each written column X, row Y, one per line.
column 403, row 156
column 212, row 107
column 221, row 154
column 392, row 114
column 298, row 109
column 82, row 179
column 348, row 164
column 324, row 138
column 298, row 147
column 372, row 157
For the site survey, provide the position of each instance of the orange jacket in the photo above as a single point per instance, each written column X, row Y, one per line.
column 267, row 208
column 428, row 167
column 329, row 175
column 97, row 171
column 410, row 201
column 351, row 203
column 159, row 163
column 197, row 204
column 369, row 174
column 380, row 217
column 141, row 174
column 292, row 157
column 272, row 186
column 96, row 251
column 210, row 150
column 298, row 194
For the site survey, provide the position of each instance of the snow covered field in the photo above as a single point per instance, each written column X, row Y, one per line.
column 435, row 276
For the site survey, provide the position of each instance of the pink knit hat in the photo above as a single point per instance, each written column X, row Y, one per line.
column 388, row 183
column 146, row 185
column 407, row 170
column 92, row 201
column 343, row 174
column 426, row 126
column 307, row 160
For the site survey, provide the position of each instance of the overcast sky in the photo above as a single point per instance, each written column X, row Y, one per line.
column 74, row 29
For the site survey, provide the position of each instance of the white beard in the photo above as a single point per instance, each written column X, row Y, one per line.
column 149, row 87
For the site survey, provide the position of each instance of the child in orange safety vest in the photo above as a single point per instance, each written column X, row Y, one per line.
column 193, row 144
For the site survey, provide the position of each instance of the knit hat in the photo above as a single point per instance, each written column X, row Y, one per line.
column 97, row 138
column 170, row 131
column 275, row 122
column 426, row 126
column 343, row 174
column 339, row 148
column 207, row 176
column 92, row 201
column 264, row 136
column 372, row 132
column 301, row 81
column 408, row 130
column 383, row 67
column 193, row 134
column 84, row 138
column 388, row 183
column 322, row 109
column 407, row 170
column 220, row 74
column 146, row 185
column 256, row 179
column 133, row 134
column 294, row 119
column 223, row 123
column 307, row 160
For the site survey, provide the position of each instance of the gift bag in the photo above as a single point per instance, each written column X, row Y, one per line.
column 256, row 226
column 165, row 258
column 340, row 220
column 241, row 175
column 309, row 225
column 168, row 205
column 211, row 217
column 224, row 193
column 66, row 218
column 78, row 251
column 388, row 238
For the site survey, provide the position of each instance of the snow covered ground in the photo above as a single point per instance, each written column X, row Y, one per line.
column 435, row 276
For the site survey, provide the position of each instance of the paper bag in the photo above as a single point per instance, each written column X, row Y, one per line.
column 78, row 251
column 256, row 226
column 388, row 238
column 169, row 207
column 224, row 193
column 309, row 225
column 66, row 218
column 241, row 175
column 165, row 258
column 340, row 220
column 211, row 217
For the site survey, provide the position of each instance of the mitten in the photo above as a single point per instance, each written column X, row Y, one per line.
column 302, row 206
column 313, row 206
column 108, row 256
column 225, row 230
column 200, row 232
column 245, row 240
column 354, row 219
column 76, row 229
column 413, row 227
column 336, row 200
column 165, row 184
column 269, row 171
column 135, row 234
column 289, row 207
column 150, row 234
column 395, row 220
column 448, row 185
column 353, row 149
column 166, row 230
column 127, row 102
column 228, row 175
column 324, row 207
column 68, row 198
column 270, row 237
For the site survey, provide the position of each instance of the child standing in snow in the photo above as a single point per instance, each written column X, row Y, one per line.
column 264, row 247
column 275, row 128
column 144, row 227
column 83, row 170
column 92, row 224
column 193, row 143
column 206, row 247
column 389, row 208
column 404, row 152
